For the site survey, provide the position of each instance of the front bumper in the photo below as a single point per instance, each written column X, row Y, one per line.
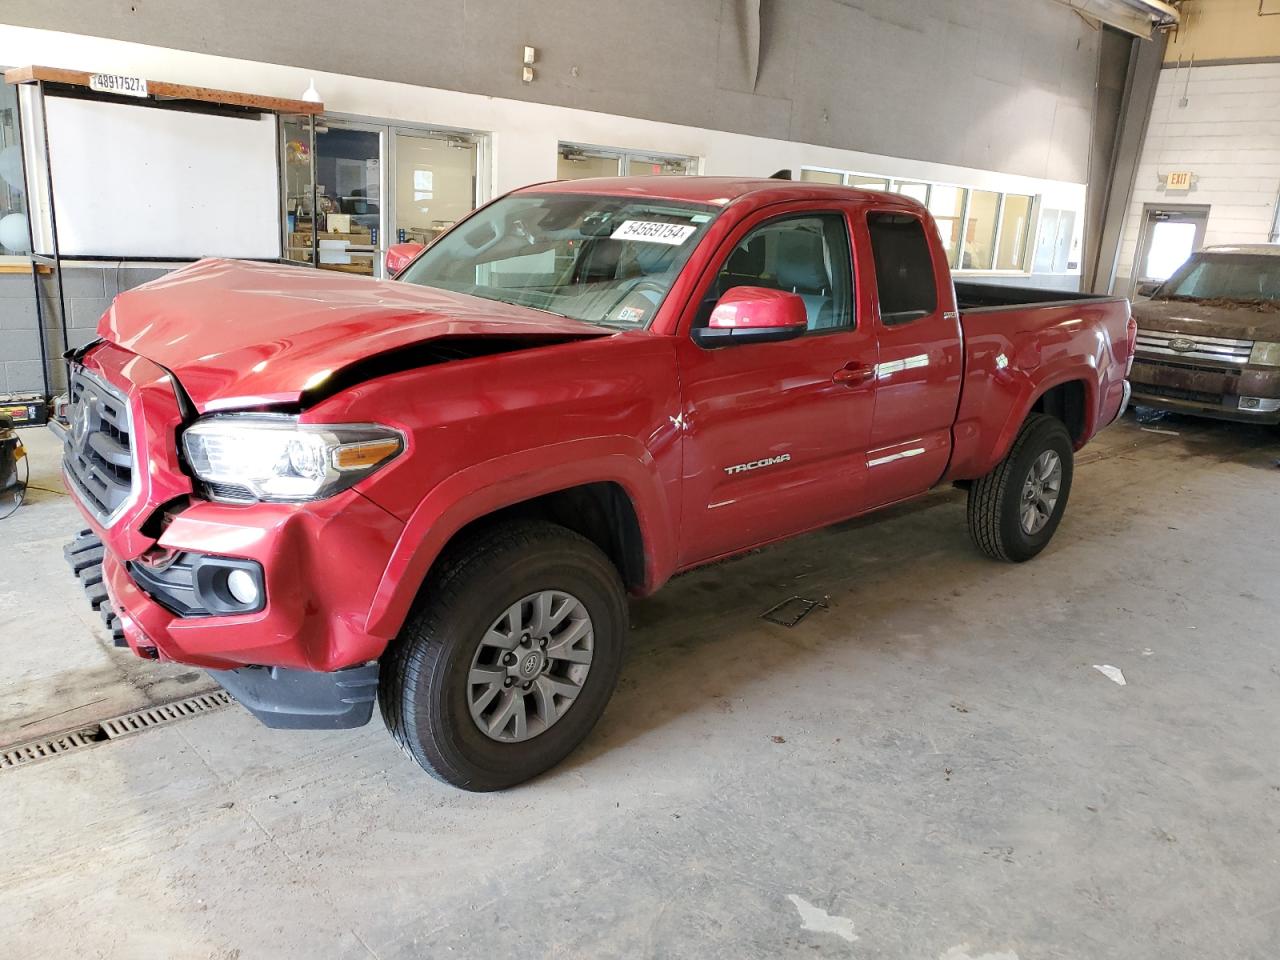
column 1244, row 394
column 1219, row 411
column 321, row 565
column 280, row 698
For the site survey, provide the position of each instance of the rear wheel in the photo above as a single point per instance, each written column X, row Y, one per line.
column 510, row 658
column 1014, row 510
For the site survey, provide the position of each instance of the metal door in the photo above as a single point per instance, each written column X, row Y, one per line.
column 1169, row 235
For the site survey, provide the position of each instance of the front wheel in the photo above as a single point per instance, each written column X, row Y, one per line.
column 1014, row 510
column 509, row 660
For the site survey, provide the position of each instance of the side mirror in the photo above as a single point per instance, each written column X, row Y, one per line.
column 1148, row 289
column 753, row 315
column 400, row 255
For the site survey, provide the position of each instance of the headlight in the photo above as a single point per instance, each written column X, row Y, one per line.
column 1266, row 354
column 255, row 457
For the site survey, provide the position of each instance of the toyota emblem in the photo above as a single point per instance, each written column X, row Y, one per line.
column 80, row 424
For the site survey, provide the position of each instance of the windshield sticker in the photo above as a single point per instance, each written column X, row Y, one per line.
column 651, row 231
column 631, row 315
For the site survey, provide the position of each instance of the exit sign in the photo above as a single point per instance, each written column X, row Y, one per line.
column 1178, row 181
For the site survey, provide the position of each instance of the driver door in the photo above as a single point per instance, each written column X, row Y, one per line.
column 776, row 434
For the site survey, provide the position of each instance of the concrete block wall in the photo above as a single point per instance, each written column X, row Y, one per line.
column 87, row 292
column 1228, row 136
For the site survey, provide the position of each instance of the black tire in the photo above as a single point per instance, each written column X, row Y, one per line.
column 995, row 501
column 423, row 687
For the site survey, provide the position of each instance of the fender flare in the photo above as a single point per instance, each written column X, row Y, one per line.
column 1029, row 393
column 483, row 488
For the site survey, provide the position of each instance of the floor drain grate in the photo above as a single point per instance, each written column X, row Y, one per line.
column 165, row 713
column 58, row 744
column 48, row 747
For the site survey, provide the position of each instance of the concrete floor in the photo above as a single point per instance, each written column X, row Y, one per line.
column 929, row 768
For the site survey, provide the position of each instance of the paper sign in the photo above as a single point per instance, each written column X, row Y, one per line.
column 117, row 83
column 1178, row 181
column 650, row 231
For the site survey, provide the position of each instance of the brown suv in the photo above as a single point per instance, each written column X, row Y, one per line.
column 1209, row 337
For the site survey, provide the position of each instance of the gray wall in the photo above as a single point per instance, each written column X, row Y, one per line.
column 1004, row 85
column 88, row 292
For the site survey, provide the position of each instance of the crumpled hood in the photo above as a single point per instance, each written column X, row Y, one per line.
column 1188, row 317
column 240, row 334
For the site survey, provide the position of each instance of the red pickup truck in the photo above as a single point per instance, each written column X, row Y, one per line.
column 437, row 491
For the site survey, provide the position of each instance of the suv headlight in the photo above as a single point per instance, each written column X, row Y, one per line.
column 255, row 457
column 1266, row 354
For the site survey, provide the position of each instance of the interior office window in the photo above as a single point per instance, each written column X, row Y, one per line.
column 947, row 206
column 435, row 185
column 904, row 267
column 14, row 239
column 980, row 230
column 638, row 165
column 574, row 164
column 912, row 189
column 1015, row 230
column 867, row 183
column 821, row 176
column 807, row 255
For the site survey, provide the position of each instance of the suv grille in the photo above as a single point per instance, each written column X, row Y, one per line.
column 99, row 446
column 1186, row 347
column 1177, row 393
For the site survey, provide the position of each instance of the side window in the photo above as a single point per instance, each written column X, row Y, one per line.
column 904, row 267
column 807, row 255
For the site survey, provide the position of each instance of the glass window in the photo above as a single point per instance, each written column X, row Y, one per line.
column 807, row 255
column 642, row 166
column 605, row 260
column 821, row 176
column 912, row 189
column 904, row 267
column 1015, row 229
column 947, row 206
column 980, row 230
column 14, row 237
column 435, row 186
column 348, row 198
column 576, row 165
column 1171, row 243
column 868, row 183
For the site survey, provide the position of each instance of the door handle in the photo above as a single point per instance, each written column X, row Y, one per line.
column 853, row 374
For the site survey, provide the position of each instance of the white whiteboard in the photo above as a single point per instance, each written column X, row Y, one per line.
column 138, row 181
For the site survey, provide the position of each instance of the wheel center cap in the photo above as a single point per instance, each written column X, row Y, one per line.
column 531, row 663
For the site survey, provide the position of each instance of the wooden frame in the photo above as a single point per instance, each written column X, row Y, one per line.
column 169, row 91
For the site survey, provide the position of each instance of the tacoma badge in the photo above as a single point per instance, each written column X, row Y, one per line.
column 757, row 464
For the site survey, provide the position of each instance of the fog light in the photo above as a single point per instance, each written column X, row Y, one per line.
column 242, row 586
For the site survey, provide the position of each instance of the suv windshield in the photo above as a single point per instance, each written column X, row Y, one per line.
column 605, row 260
column 1225, row 276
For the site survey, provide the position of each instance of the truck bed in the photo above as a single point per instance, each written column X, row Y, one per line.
column 995, row 296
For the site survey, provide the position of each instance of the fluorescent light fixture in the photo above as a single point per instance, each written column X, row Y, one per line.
column 1138, row 17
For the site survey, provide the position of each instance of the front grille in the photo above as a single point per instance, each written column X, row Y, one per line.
column 99, row 454
column 1177, row 393
column 1216, row 351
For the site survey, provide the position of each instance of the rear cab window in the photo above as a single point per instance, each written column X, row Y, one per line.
column 905, row 278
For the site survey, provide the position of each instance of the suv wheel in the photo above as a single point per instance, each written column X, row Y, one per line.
column 1014, row 510
column 510, row 657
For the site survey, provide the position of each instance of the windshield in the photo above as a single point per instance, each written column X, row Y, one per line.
column 1225, row 276
column 605, row 260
